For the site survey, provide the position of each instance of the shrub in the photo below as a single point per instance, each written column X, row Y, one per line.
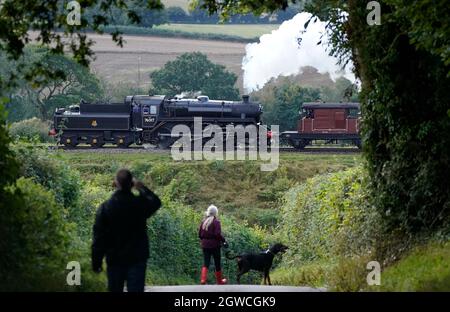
column 328, row 215
column 55, row 175
column 184, row 187
column 31, row 129
column 331, row 231
column 36, row 242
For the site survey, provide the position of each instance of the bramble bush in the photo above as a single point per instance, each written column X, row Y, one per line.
column 55, row 175
column 31, row 129
column 331, row 229
column 36, row 242
column 50, row 187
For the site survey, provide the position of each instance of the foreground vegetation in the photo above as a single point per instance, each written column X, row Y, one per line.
column 316, row 204
column 333, row 233
column 405, row 144
column 239, row 188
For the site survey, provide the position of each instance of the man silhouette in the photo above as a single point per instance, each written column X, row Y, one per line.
column 120, row 233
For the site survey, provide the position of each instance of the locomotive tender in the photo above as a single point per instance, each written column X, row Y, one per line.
column 325, row 121
column 146, row 119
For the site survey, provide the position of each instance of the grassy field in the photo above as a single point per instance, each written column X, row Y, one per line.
column 240, row 188
column 120, row 65
column 242, row 30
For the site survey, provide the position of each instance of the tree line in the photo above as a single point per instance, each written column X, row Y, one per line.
column 175, row 14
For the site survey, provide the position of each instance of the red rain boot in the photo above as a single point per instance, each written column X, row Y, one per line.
column 204, row 275
column 220, row 279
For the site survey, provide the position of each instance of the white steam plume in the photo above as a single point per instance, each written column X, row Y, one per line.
column 279, row 53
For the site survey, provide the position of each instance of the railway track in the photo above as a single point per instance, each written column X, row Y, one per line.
column 146, row 149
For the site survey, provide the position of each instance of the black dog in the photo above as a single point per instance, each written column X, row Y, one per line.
column 260, row 262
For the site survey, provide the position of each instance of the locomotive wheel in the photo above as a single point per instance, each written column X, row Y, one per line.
column 300, row 144
column 96, row 141
column 122, row 142
column 69, row 141
column 165, row 141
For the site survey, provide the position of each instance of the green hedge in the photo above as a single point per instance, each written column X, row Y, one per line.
column 331, row 231
column 36, row 242
column 50, row 224
column 31, row 129
column 328, row 215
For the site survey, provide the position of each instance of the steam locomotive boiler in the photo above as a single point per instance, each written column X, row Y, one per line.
column 144, row 119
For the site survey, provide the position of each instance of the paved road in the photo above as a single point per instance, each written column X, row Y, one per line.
column 231, row 288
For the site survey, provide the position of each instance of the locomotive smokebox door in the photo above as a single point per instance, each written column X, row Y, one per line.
column 149, row 115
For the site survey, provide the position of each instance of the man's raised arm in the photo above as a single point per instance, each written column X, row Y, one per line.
column 150, row 201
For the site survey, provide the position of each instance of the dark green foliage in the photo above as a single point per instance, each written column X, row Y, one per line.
column 332, row 232
column 176, row 14
column 31, row 129
column 36, row 239
column 328, row 216
column 404, row 65
column 44, row 94
column 193, row 72
column 286, row 105
column 57, row 177
column 49, row 17
column 9, row 199
column 406, row 128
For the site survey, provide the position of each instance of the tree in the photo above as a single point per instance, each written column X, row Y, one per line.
column 193, row 72
column 49, row 21
column 282, row 101
column 404, row 66
column 176, row 14
column 29, row 100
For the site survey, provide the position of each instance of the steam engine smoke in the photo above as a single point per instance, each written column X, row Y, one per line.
column 286, row 50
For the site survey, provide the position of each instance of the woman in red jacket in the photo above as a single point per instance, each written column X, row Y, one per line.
column 210, row 234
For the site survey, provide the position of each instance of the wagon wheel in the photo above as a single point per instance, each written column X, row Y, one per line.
column 122, row 142
column 96, row 141
column 69, row 141
column 300, row 144
column 165, row 140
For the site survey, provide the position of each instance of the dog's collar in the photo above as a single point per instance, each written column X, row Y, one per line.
column 268, row 251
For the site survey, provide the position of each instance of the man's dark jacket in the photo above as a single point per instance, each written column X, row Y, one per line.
column 120, row 229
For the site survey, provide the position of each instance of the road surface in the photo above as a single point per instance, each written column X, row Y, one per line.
column 231, row 288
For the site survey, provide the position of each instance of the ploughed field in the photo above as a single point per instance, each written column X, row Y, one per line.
column 118, row 65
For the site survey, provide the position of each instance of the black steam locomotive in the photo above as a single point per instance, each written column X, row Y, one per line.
column 146, row 119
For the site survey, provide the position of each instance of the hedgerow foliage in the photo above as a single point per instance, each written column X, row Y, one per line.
column 328, row 216
column 331, row 230
column 404, row 65
column 49, row 217
column 31, row 129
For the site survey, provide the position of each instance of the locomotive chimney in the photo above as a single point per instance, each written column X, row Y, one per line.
column 245, row 98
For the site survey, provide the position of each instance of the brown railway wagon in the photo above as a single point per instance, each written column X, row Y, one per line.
column 331, row 122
